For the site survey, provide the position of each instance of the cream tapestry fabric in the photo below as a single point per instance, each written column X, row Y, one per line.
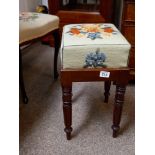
column 93, row 45
column 33, row 25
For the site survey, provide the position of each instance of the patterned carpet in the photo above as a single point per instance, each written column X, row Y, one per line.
column 41, row 121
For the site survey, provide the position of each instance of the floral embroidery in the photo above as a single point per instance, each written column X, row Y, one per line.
column 93, row 36
column 108, row 29
column 92, row 31
column 96, row 59
column 74, row 31
column 28, row 16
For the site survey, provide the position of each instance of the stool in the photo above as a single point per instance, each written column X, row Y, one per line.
column 94, row 52
column 32, row 27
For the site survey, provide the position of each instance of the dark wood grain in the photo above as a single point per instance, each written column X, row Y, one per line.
column 74, row 17
column 118, row 106
column 106, row 8
column 120, row 76
column 57, row 41
column 128, row 30
column 129, row 33
column 85, row 75
column 53, row 6
column 131, row 63
column 107, row 85
column 21, row 79
column 56, row 36
column 129, row 11
column 67, row 108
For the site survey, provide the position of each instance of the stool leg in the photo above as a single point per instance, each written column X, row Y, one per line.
column 118, row 106
column 67, row 110
column 21, row 81
column 56, row 36
column 107, row 85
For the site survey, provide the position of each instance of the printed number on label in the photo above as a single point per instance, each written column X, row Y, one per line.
column 104, row 74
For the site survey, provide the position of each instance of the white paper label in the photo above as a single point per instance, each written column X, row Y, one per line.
column 104, row 74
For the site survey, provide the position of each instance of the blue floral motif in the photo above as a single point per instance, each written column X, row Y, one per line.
column 96, row 59
column 93, row 36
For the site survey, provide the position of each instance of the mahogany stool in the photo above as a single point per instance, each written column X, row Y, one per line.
column 33, row 27
column 94, row 52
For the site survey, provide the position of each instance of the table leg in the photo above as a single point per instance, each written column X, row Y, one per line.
column 56, row 36
column 21, row 81
column 107, row 85
column 67, row 109
column 118, row 106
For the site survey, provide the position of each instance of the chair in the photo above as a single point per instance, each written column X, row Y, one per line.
column 32, row 27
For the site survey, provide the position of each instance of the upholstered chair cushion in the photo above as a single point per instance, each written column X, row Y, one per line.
column 33, row 25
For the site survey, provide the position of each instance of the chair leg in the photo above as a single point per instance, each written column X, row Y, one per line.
column 118, row 106
column 21, row 81
column 107, row 85
column 67, row 109
column 56, row 36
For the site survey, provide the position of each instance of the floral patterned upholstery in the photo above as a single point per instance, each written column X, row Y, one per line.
column 93, row 45
column 33, row 25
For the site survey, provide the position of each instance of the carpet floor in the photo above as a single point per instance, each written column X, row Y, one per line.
column 41, row 120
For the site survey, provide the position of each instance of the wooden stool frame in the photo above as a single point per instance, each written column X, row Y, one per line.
column 68, row 76
column 56, row 36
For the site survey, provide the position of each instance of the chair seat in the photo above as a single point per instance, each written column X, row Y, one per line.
column 34, row 25
column 93, row 45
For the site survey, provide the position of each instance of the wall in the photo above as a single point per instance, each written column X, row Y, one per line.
column 28, row 5
column 45, row 2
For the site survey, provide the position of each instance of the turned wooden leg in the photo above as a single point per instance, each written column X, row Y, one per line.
column 21, row 81
column 67, row 109
column 56, row 36
column 107, row 85
column 118, row 106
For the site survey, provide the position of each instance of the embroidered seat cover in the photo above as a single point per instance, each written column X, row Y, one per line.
column 93, row 45
column 33, row 25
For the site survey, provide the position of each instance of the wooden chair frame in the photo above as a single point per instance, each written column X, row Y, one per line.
column 56, row 36
column 107, row 8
